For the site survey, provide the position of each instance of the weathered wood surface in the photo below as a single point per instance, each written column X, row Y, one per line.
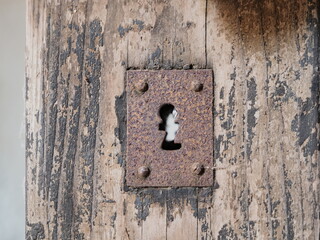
column 265, row 58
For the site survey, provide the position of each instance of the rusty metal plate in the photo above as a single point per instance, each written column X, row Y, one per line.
column 191, row 94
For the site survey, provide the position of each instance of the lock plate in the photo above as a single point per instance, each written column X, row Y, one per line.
column 191, row 93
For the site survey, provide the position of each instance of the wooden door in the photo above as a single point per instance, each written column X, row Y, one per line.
column 265, row 58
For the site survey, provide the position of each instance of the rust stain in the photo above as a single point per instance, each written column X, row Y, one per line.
column 169, row 168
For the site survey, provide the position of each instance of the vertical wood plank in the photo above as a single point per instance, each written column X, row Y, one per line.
column 35, row 197
column 165, row 39
column 225, row 55
column 72, row 65
column 266, row 36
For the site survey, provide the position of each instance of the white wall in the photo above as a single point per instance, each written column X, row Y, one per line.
column 12, row 163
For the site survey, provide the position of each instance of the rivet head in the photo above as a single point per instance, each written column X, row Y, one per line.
column 234, row 174
column 197, row 86
column 143, row 172
column 141, row 86
column 197, row 169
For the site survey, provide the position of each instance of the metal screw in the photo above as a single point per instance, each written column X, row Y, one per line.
column 141, row 86
column 197, row 169
column 187, row 66
column 234, row 174
column 197, row 86
column 143, row 172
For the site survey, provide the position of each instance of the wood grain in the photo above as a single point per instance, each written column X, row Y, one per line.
column 265, row 58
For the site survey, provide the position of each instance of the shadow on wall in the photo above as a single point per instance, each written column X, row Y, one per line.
column 12, row 164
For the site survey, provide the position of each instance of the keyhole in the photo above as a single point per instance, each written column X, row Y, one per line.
column 168, row 114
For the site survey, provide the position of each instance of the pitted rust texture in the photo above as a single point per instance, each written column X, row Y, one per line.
column 147, row 92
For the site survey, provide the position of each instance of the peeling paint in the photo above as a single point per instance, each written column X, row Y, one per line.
column 227, row 232
column 36, row 232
